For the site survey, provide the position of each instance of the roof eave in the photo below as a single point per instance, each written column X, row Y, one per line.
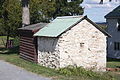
column 103, row 31
column 112, row 17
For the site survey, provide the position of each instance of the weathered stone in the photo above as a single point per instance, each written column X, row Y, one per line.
column 77, row 47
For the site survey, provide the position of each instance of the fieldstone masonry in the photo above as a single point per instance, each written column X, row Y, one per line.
column 83, row 45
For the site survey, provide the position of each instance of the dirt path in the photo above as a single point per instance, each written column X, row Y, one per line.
column 12, row 72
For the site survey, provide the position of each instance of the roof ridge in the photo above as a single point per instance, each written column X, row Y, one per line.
column 63, row 17
column 114, row 13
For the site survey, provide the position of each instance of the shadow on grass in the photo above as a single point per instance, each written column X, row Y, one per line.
column 14, row 50
column 113, row 60
column 113, row 63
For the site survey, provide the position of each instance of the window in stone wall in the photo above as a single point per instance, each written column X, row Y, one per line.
column 81, row 45
column 118, row 25
column 116, row 45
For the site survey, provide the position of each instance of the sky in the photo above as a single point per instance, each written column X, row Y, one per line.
column 96, row 11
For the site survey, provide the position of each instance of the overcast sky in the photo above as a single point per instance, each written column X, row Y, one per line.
column 96, row 11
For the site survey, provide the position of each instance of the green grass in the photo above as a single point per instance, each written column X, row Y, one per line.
column 113, row 63
column 3, row 40
column 11, row 56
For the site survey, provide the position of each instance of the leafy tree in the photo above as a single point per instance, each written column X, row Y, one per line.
column 11, row 17
column 45, row 10
column 64, row 8
column 1, row 10
column 41, row 10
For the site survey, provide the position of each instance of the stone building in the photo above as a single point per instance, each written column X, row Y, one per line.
column 113, row 23
column 74, row 40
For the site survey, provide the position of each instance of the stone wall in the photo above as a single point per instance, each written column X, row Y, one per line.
column 48, row 52
column 82, row 45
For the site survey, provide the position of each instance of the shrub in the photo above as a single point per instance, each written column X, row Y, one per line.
column 76, row 71
column 80, row 71
column 16, row 41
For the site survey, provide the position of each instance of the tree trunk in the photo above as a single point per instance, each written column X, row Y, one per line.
column 101, row 1
column 8, row 35
column 26, row 13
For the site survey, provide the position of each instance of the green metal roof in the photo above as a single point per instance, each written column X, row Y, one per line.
column 58, row 26
column 114, row 14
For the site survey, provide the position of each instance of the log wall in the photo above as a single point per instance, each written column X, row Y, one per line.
column 28, row 48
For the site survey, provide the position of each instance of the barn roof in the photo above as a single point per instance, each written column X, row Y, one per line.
column 62, row 24
column 34, row 26
column 114, row 14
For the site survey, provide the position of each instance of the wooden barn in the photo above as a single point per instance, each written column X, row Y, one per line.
column 28, row 43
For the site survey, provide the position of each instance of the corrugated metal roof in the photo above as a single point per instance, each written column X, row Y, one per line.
column 114, row 14
column 58, row 26
column 34, row 26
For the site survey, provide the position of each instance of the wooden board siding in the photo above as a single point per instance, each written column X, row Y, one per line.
column 28, row 43
column 28, row 48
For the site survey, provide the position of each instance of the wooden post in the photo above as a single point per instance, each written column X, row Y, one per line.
column 25, row 13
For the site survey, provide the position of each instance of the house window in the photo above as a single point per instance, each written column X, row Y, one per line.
column 118, row 26
column 117, row 45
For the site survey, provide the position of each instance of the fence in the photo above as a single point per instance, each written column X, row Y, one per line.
column 10, row 44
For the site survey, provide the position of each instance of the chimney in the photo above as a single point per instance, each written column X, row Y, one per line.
column 25, row 13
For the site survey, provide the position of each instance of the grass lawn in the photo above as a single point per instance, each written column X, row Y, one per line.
column 11, row 56
column 113, row 63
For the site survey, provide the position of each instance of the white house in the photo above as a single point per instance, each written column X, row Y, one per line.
column 113, row 22
column 74, row 40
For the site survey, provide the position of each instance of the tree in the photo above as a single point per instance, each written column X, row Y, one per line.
column 39, row 12
column 11, row 17
column 64, row 8
column 1, row 10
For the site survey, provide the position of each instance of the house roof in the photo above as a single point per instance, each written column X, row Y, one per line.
column 34, row 26
column 114, row 14
column 62, row 24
